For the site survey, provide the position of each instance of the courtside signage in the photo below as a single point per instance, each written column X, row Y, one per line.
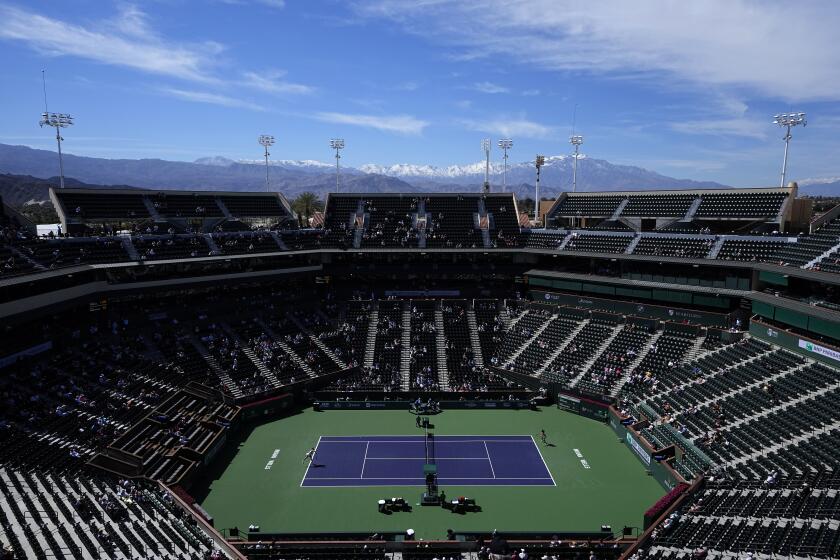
column 821, row 350
column 640, row 451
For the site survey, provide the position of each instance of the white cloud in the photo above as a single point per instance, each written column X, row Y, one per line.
column 402, row 124
column 278, row 4
column 407, row 86
column 270, row 82
column 530, row 92
column 211, row 98
column 785, row 50
column 128, row 40
column 123, row 41
column 681, row 164
column 743, row 127
column 512, row 127
column 489, row 87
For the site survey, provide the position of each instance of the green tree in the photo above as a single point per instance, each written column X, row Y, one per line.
column 526, row 205
column 306, row 204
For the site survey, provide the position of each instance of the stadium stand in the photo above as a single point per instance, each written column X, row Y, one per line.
column 590, row 243
column 664, row 246
column 112, row 412
column 809, row 248
column 451, row 223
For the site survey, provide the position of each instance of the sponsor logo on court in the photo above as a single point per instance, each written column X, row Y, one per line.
column 583, row 461
column 272, row 459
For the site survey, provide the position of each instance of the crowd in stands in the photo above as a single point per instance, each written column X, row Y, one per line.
column 418, row 222
column 155, row 389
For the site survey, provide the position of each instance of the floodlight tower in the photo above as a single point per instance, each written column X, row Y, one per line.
column 485, row 145
column 539, row 162
column 505, row 144
column 265, row 141
column 337, row 144
column 575, row 140
column 57, row 121
column 787, row 121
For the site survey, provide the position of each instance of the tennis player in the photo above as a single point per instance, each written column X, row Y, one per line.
column 310, row 455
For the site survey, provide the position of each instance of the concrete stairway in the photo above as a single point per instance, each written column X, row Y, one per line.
column 264, row 370
column 440, row 346
column 373, row 327
column 716, row 247
column 556, row 352
column 475, row 341
column 588, row 365
column 620, row 209
column 692, row 210
column 628, row 369
column 130, row 249
column 527, row 343
column 318, row 342
column 811, row 263
column 214, row 366
column 211, row 243
column 278, row 240
column 287, row 349
column 632, row 247
column 405, row 346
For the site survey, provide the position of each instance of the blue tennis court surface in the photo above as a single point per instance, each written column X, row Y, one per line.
column 398, row 461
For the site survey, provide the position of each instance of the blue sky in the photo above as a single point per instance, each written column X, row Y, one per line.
column 686, row 89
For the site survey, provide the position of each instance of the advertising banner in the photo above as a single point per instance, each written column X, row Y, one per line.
column 638, row 448
column 821, row 350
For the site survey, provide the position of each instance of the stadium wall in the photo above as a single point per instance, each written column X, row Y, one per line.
column 810, row 348
column 663, row 474
column 639, row 309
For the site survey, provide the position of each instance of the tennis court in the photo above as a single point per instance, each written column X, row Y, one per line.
column 463, row 460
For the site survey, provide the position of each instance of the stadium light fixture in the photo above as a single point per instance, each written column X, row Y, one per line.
column 539, row 161
column 337, row 144
column 485, row 145
column 788, row 121
column 575, row 140
column 265, row 141
column 57, row 121
column 505, row 144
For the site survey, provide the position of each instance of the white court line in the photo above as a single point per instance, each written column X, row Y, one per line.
column 492, row 470
column 441, row 478
column 508, row 439
column 507, row 436
column 364, row 461
column 423, row 458
column 543, row 460
column 437, row 441
column 306, row 472
column 420, row 483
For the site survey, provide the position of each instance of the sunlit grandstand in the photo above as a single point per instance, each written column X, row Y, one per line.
column 648, row 374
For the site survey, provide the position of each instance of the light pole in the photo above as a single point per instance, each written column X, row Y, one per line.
column 265, row 141
column 337, row 144
column 575, row 141
column 57, row 121
column 505, row 144
column 485, row 145
column 539, row 162
column 786, row 121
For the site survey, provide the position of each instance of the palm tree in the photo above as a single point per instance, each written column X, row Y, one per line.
column 306, row 204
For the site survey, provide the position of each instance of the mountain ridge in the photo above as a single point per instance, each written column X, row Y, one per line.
column 295, row 176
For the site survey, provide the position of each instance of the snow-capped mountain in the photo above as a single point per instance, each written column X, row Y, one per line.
column 470, row 171
column 302, row 164
column 295, row 176
column 820, row 186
